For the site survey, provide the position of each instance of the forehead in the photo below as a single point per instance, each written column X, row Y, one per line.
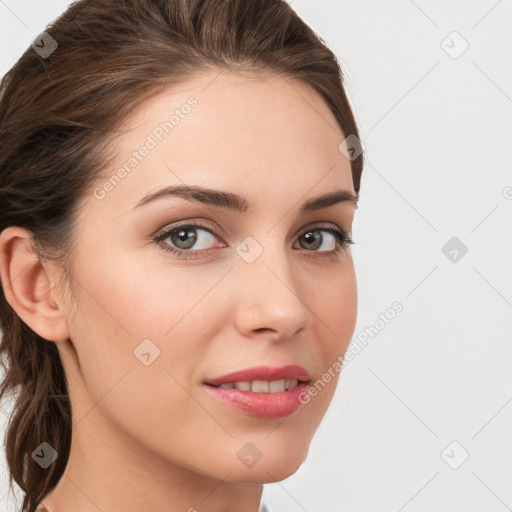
column 259, row 134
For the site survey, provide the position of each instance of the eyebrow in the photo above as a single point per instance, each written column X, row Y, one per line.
column 241, row 204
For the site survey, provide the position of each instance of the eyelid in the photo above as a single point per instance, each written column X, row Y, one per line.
column 198, row 223
column 328, row 226
column 323, row 224
column 201, row 223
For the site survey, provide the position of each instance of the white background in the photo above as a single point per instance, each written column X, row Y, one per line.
column 437, row 132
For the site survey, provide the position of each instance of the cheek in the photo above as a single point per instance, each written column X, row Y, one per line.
column 141, row 298
column 129, row 316
column 137, row 312
column 334, row 306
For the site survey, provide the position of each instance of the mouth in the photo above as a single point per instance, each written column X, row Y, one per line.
column 266, row 392
column 263, row 379
column 265, row 399
column 262, row 386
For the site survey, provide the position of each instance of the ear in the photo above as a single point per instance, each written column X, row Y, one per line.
column 28, row 285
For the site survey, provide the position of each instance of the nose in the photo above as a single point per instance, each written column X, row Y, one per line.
column 269, row 299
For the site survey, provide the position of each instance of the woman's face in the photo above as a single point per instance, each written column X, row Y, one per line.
column 258, row 285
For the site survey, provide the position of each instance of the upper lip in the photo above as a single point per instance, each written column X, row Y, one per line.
column 267, row 373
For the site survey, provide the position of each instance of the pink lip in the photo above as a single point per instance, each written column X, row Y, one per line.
column 261, row 405
column 268, row 373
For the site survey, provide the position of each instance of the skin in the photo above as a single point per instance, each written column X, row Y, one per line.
column 150, row 438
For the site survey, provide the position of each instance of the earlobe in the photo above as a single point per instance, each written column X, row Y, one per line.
column 27, row 285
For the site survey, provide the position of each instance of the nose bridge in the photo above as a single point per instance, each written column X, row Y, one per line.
column 269, row 295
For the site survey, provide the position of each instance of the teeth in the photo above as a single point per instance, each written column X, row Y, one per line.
column 262, row 386
column 292, row 384
column 244, row 386
column 277, row 385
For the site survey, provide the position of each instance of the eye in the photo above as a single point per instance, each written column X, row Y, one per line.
column 184, row 237
column 336, row 239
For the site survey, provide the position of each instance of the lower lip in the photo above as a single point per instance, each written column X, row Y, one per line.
column 261, row 405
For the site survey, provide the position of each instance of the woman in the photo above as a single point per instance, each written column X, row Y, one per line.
column 178, row 181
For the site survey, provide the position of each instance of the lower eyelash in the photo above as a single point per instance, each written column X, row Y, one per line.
column 184, row 255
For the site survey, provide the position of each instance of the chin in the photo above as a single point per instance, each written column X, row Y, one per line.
column 273, row 467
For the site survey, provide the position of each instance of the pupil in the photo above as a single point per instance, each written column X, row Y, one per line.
column 182, row 236
column 312, row 238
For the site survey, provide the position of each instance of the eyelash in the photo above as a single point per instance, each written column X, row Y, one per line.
column 343, row 240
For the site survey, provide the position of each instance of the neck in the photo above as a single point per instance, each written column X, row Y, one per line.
column 108, row 470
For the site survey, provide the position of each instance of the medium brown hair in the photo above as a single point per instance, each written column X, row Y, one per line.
column 58, row 113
